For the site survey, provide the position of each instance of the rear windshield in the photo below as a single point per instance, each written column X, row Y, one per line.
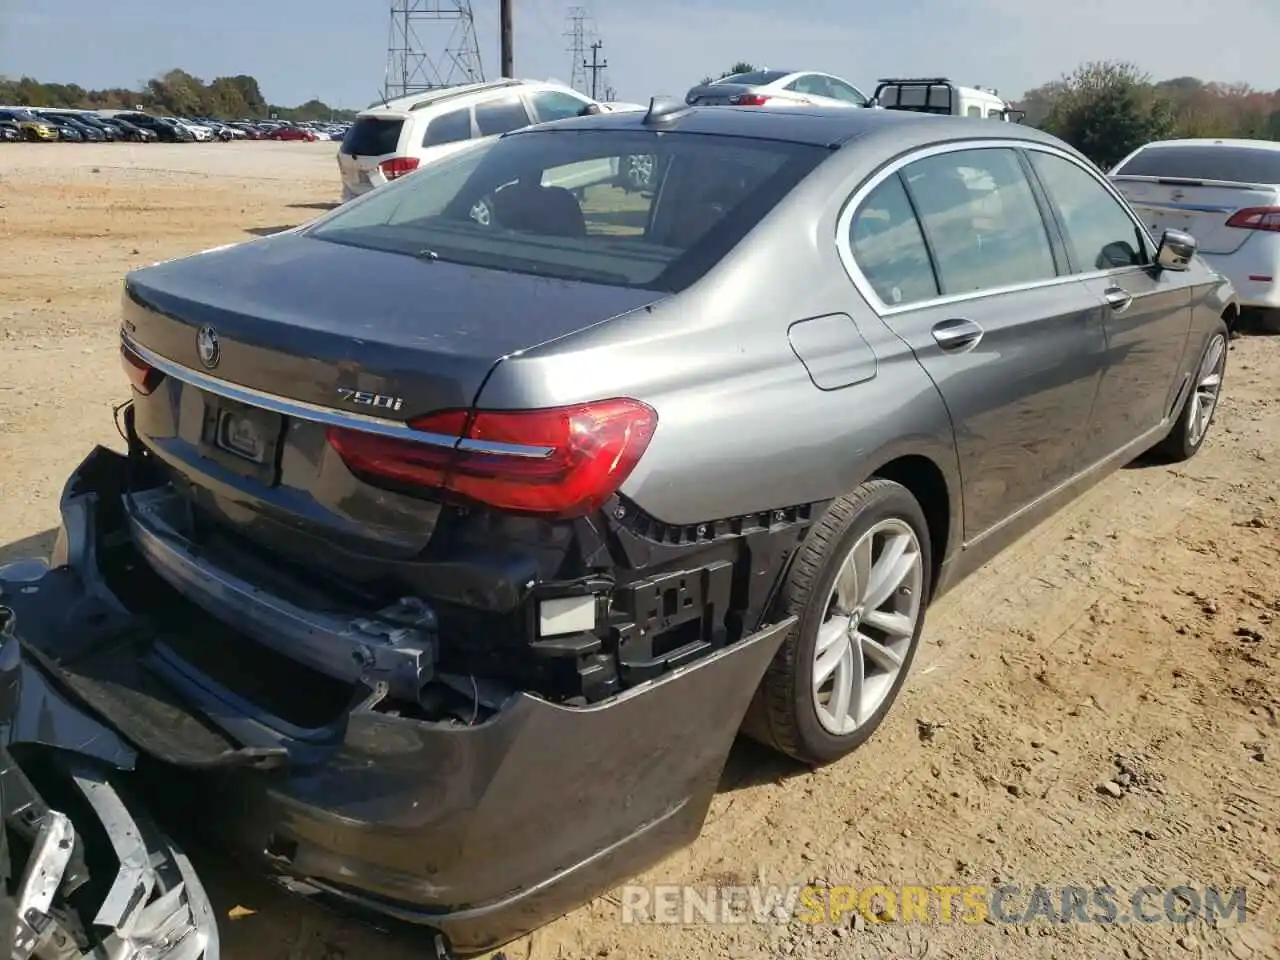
column 372, row 137
column 921, row 97
column 756, row 78
column 627, row 208
column 1232, row 164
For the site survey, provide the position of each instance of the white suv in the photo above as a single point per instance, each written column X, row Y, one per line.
column 394, row 138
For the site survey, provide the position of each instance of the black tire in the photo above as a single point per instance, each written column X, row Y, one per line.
column 783, row 715
column 1182, row 443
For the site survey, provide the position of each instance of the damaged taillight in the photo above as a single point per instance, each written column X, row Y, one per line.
column 144, row 377
column 560, row 461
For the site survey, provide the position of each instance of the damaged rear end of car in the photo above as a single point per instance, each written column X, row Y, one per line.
column 395, row 612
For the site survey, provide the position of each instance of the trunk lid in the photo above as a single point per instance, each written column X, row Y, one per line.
column 711, row 94
column 1198, row 207
column 308, row 334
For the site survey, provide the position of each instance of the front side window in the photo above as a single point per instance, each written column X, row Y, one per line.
column 810, row 83
column 448, row 128
column 557, row 204
column 501, row 116
column 889, row 249
column 982, row 220
column 1099, row 233
column 554, row 105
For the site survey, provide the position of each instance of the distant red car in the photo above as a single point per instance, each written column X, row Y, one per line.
column 292, row 133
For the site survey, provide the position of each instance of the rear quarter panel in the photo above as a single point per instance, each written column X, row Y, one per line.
column 743, row 426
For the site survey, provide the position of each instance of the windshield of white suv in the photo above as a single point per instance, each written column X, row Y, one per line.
column 631, row 208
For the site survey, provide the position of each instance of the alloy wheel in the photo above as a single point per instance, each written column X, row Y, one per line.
column 871, row 616
column 1207, row 389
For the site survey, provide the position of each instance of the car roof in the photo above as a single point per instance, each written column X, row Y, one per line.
column 817, row 126
column 457, row 95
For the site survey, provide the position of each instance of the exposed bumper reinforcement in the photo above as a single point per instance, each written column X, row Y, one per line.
column 483, row 831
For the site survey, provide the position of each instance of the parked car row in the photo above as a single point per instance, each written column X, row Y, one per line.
column 42, row 124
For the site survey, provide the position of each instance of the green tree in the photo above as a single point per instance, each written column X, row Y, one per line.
column 1106, row 109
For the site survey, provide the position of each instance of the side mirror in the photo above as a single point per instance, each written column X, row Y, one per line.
column 1176, row 250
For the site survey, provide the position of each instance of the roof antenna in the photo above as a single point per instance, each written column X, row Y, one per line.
column 663, row 109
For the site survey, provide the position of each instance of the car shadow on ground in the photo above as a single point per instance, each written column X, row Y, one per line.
column 36, row 545
column 318, row 205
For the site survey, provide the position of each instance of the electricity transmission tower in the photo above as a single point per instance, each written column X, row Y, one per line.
column 577, row 35
column 432, row 44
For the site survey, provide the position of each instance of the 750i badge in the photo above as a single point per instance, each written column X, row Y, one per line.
column 377, row 401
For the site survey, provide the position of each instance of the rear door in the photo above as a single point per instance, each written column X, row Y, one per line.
column 1199, row 187
column 1146, row 312
column 972, row 284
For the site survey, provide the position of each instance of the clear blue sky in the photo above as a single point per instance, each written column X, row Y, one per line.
column 336, row 49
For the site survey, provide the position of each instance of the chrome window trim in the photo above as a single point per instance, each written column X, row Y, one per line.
column 844, row 247
column 329, row 417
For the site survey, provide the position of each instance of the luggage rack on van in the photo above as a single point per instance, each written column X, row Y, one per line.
column 940, row 96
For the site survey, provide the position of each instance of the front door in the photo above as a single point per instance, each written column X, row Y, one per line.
column 973, row 286
column 1146, row 311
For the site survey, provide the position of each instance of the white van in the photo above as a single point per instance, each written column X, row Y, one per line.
column 939, row 95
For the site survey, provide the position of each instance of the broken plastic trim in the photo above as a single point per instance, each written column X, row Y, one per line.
column 156, row 908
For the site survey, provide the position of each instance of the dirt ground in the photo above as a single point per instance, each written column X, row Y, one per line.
column 1130, row 645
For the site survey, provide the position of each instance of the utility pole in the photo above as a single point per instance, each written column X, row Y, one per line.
column 577, row 36
column 595, row 66
column 508, row 50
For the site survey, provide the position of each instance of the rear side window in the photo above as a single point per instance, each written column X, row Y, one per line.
column 564, row 206
column 973, row 112
column 372, row 137
column 982, row 220
column 1208, row 162
column 755, row 78
column 501, row 116
column 552, row 105
column 448, row 128
column 1099, row 233
column 889, row 249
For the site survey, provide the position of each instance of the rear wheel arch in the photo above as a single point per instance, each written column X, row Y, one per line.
column 928, row 484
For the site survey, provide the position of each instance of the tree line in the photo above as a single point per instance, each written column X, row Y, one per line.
column 1106, row 109
column 175, row 93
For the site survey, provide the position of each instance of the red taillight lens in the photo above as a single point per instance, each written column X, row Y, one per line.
column 750, row 100
column 144, row 377
column 562, row 462
column 1256, row 218
column 398, row 166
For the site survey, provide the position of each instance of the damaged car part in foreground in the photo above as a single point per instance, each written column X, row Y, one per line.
column 449, row 554
column 453, row 811
column 82, row 875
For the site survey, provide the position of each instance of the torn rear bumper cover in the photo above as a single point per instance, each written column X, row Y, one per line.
column 136, row 895
column 482, row 831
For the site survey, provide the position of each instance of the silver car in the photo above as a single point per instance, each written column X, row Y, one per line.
column 488, row 538
column 778, row 88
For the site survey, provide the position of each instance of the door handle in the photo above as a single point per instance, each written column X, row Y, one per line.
column 1117, row 298
column 957, row 334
